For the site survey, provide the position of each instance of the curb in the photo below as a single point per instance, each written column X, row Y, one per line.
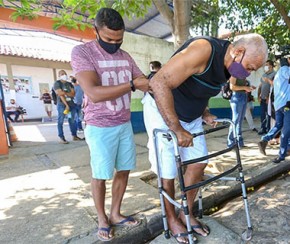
column 154, row 227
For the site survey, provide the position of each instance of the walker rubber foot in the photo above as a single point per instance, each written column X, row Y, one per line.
column 247, row 235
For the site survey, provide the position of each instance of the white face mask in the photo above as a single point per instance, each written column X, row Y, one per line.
column 266, row 68
column 63, row 77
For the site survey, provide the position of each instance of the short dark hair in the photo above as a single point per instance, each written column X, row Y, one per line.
column 155, row 64
column 110, row 18
column 270, row 62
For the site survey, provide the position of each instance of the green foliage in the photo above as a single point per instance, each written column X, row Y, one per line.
column 259, row 16
column 205, row 17
column 28, row 9
column 79, row 14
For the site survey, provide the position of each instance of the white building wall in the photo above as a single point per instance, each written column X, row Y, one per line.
column 30, row 101
column 143, row 50
column 3, row 70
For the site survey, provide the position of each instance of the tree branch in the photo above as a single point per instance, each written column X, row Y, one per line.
column 282, row 10
column 165, row 11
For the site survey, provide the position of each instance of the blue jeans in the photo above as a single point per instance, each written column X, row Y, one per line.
column 285, row 135
column 16, row 113
column 60, row 120
column 279, row 117
column 78, row 117
column 265, row 119
column 238, row 104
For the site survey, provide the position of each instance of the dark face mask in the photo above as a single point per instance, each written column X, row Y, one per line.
column 237, row 70
column 108, row 47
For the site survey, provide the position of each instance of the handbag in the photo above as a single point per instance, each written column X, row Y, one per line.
column 226, row 91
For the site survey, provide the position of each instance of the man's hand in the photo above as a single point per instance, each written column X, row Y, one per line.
column 249, row 88
column 184, row 138
column 209, row 118
column 141, row 83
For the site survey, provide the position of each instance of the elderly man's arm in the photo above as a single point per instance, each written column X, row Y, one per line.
column 191, row 60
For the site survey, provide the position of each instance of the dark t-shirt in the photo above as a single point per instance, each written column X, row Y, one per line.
column 192, row 96
column 64, row 86
column 46, row 98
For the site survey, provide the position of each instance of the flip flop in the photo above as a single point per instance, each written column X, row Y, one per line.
column 108, row 230
column 204, row 227
column 125, row 221
column 182, row 235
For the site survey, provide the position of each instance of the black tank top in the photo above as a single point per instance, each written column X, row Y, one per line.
column 192, row 96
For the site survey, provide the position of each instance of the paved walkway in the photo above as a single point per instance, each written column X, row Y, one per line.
column 45, row 193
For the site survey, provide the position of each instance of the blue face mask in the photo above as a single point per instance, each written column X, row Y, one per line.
column 108, row 47
column 237, row 70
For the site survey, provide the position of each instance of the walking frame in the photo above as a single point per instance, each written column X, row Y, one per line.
column 183, row 206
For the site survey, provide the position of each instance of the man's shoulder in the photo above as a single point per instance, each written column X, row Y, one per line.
column 124, row 52
column 78, row 88
column 67, row 83
column 57, row 85
column 57, row 82
column 81, row 50
column 84, row 45
column 273, row 72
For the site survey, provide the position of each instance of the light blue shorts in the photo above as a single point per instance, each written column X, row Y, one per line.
column 110, row 148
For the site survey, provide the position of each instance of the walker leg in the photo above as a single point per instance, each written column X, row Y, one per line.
column 200, row 210
column 187, row 219
column 164, row 218
column 247, row 234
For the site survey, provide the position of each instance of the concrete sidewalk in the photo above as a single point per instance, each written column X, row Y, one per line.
column 46, row 198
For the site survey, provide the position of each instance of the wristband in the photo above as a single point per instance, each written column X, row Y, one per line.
column 133, row 88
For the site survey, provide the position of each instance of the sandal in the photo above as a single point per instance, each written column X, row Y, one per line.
column 204, row 227
column 125, row 222
column 108, row 230
column 176, row 236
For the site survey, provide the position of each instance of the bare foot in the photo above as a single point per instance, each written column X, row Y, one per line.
column 197, row 226
column 105, row 231
column 178, row 231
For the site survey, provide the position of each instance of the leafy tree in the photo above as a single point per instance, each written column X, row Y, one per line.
column 202, row 16
column 205, row 15
column 76, row 14
column 270, row 18
column 178, row 18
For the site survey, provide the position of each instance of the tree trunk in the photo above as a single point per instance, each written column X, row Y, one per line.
column 178, row 19
column 282, row 10
column 164, row 11
column 181, row 21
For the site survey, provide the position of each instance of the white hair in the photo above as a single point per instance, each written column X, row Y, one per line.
column 254, row 43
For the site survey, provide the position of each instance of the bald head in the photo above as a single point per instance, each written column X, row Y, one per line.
column 250, row 50
column 255, row 46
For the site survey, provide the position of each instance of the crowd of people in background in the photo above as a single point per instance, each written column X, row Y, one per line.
column 274, row 97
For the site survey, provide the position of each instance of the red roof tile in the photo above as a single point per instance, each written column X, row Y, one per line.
column 27, row 52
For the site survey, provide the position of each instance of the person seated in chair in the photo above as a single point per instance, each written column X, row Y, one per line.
column 12, row 109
